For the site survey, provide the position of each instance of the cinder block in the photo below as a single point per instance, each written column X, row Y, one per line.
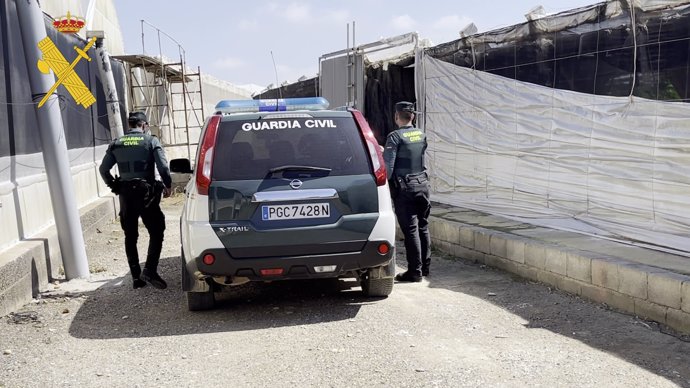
column 665, row 288
column 570, row 286
column 515, row 250
column 491, row 261
column 652, row 311
column 498, row 245
column 16, row 295
column 479, row 257
column 632, row 281
column 467, row 237
column 678, row 320
column 482, row 241
column 594, row 293
column 462, row 252
column 609, row 297
column 441, row 246
column 459, row 251
column 549, row 278
column 444, row 247
column 556, row 260
column 501, row 263
column 605, row 273
column 449, row 231
column 578, row 266
column 535, row 255
column 527, row 272
column 434, row 229
column 685, row 297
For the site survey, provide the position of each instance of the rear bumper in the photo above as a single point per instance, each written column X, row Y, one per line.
column 294, row 267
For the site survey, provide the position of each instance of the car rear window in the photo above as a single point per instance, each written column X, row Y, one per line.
column 248, row 149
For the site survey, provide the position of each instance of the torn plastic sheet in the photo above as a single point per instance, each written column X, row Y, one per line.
column 615, row 167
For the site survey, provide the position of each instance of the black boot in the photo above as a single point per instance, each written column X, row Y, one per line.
column 138, row 283
column 408, row 277
column 154, row 279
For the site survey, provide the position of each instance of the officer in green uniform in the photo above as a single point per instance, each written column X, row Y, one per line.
column 409, row 185
column 137, row 154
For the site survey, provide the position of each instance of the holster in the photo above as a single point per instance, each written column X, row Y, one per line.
column 394, row 186
column 142, row 188
column 415, row 179
column 116, row 186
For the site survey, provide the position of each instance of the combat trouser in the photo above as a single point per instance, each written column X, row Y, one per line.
column 412, row 208
column 138, row 198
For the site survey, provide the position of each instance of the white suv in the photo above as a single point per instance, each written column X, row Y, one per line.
column 285, row 189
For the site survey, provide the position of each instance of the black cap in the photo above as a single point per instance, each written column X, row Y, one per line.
column 404, row 106
column 135, row 117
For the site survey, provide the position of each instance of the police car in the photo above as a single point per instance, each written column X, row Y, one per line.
column 285, row 189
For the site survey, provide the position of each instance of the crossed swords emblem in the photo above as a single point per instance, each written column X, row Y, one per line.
column 53, row 60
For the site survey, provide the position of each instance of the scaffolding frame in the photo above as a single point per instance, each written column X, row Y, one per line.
column 169, row 94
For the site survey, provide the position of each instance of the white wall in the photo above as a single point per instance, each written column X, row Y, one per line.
column 25, row 204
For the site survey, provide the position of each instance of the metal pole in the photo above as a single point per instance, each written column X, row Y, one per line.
column 349, row 70
column 354, row 69
column 143, row 46
column 184, row 104
column 110, row 90
column 54, row 146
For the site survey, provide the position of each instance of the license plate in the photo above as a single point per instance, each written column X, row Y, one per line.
column 295, row 212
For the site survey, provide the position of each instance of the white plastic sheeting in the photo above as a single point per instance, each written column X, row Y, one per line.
column 616, row 167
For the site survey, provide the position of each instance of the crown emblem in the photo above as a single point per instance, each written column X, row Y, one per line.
column 69, row 24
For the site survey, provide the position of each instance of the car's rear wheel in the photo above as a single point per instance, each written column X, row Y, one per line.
column 199, row 301
column 375, row 285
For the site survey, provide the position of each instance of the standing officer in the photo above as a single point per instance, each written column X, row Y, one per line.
column 137, row 154
column 409, row 183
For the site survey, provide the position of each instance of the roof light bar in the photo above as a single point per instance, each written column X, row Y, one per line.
column 272, row 105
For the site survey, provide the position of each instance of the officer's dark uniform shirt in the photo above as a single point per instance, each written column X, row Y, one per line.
column 137, row 155
column 404, row 152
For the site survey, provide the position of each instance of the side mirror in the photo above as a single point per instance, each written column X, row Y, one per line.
column 181, row 166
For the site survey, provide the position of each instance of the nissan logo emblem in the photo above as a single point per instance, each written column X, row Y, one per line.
column 296, row 184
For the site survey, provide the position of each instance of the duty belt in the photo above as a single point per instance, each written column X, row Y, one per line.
column 141, row 187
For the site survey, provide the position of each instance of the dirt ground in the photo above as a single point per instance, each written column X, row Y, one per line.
column 465, row 325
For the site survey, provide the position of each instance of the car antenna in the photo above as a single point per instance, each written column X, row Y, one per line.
column 275, row 68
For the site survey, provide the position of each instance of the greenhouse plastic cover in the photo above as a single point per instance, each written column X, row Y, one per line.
column 615, row 167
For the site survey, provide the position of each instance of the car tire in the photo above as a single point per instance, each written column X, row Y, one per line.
column 199, row 301
column 376, row 286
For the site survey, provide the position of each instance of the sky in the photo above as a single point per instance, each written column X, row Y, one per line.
column 238, row 41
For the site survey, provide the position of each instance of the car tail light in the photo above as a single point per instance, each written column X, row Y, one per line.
column 271, row 271
column 383, row 249
column 204, row 162
column 377, row 163
column 209, row 259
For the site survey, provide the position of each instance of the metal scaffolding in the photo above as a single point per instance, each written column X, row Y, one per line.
column 171, row 96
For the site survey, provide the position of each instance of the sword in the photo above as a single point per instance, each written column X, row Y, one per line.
column 64, row 74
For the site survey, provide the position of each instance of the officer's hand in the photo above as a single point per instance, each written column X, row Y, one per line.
column 115, row 186
column 167, row 192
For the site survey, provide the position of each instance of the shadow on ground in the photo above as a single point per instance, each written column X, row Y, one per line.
column 115, row 310
column 642, row 343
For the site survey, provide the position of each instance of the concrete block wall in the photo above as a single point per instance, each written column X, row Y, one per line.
column 648, row 292
column 28, row 266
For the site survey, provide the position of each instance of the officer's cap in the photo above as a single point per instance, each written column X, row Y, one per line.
column 404, row 106
column 135, row 117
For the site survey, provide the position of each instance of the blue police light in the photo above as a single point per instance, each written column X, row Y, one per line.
column 272, row 105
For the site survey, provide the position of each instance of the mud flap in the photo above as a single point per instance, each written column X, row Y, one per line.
column 189, row 283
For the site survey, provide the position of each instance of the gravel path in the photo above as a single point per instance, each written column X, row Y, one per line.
column 467, row 325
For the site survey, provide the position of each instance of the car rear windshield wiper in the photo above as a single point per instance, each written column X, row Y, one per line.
column 311, row 170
